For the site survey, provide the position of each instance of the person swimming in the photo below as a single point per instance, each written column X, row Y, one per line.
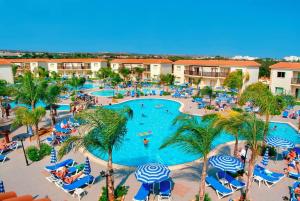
column 143, row 115
column 274, row 128
column 146, row 142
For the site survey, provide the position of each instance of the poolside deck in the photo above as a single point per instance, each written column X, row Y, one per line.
column 31, row 180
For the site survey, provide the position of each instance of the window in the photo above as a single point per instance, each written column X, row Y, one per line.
column 278, row 90
column 178, row 68
column 281, row 74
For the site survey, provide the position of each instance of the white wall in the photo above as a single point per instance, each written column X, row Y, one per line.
column 6, row 73
column 166, row 69
column 33, row 66
column 252, row 71
column 155, row 71
column 284, row 83
column 178, row 72
column 115, row 66
column 52, row 67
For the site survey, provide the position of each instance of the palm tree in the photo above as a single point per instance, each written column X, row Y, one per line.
column 30, row 90
column 139, row 71
column 105, row 131
column 167, row 79
column 125, row 72
column 51, row 97
column 76, row 82
column 262, row 97
column 104, row 74
column 207, row 90
column 194, row 137
column 26, row 117
column 230, row 121
column 253, row 132
column 197, row 83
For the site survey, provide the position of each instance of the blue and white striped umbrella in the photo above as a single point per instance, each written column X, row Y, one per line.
column 152, row 173
column 265, row 159
column 2, row 190
column 53, row 158
column 226, row 163
column 87, row 167
column 279, row 142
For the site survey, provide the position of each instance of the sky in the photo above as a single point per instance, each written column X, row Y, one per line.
column 263, row 28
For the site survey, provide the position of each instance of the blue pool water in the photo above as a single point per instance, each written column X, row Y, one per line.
column 107, row 92
column 39, row 104
column 86, row 86
column 153, row 117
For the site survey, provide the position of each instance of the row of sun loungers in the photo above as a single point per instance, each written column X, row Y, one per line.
column 73, row 169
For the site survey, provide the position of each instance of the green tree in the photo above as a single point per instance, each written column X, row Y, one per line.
column 54, row 75
column 125, row 72
column 264, row 69
column 197, row 82
column 103, row 134
column 139, row 71
column 76, row 82
column 42, row 72
column 14, row 69
column 260, row 96
column 252, row 131
column 194, row 137
column 229, row 121
column 51, row 97
column 167, row 79
column 104, row 74
column 30, row 90
column 26, row 117
column 207, row 90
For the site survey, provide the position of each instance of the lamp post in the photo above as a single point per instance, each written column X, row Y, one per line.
column 106, row 174
column 21, row 139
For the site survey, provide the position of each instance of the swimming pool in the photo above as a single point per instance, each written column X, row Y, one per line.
column 153, row 118
column 41, row 104
column 86, row 86
column 108, row 92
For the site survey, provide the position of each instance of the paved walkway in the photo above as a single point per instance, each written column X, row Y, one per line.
column 31, row 180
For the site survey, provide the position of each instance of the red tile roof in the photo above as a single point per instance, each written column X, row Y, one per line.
column 71, row 60
column 286, row 65
column 142, row 61
column 218, row 63
column 4, row 61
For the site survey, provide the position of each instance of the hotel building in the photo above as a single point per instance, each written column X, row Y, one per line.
column 285, row 78
column 6, row 71
column 153, row 68
column 213, row 72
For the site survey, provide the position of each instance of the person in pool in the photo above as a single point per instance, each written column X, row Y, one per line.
column 274, row 128
column 146, row 142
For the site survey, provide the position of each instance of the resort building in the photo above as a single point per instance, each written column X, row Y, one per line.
column 213, row 72
column 86, row 67
column 285, row 78
column 6, row 71
column 153, row 68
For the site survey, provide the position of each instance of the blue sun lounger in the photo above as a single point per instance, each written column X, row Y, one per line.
column 2, row 158
column 79, row 183
column 153, row 92
column 233, row 183
column 221, row 190
column 261, row 176
column 165, row 190
column 294, row 175
column 273, row 174
column 143, row 193
column 68, row 162
column 161, row 93
column 285, row 114
column 292, row 191
column 61, row 130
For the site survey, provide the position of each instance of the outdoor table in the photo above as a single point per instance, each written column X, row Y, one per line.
column 5, row 133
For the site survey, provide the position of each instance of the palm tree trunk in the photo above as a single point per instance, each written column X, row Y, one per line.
column 37, row 134
column 266, row 127
column 110, row 179
column 202, row 182
column 250, row 175
column 235, row 152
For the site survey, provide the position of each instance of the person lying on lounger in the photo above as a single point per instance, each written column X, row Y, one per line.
column 71, row 179
column 61, row 172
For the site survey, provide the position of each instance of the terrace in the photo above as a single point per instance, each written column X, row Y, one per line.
column 74, row 66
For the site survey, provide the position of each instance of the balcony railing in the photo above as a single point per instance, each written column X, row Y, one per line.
column 295, row 80
column 206, row 74
column 85, row 67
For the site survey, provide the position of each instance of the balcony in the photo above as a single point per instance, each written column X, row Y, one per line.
column 206, row 74
column 75, row 67
column 295, row 80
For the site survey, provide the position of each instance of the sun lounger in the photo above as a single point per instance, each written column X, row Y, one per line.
column 285, row 114
column 164, row 191
column 233, row 183
column 143, row 193
column 267, row 179
column 12, row 146
column 79, row 183
column 268, row 172
column 161, row 93
column 294, row 175
column 153, row 92
column 2, row 158
column 68, row 162
column 61, row 130
column 221, row 190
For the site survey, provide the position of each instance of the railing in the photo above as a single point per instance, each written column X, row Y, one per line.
column 73, row 67
column 295, row 80
column 206, row 74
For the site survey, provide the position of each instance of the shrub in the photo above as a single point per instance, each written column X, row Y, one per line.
column 237, row 109
column 33, row 153
column 101, row 87
column 72, row 98
column 210, row 107
column 206, row 197
column 119, row 192
column 166, row 93
column 118, row 96
column 45, row 150
column 272, row 151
